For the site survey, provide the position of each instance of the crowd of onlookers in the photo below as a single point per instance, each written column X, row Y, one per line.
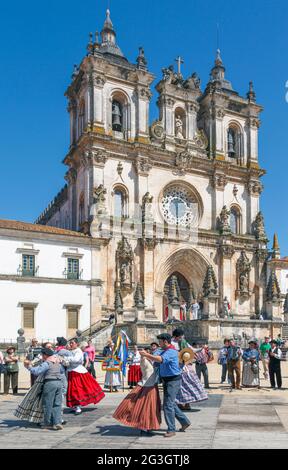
column 262, row 357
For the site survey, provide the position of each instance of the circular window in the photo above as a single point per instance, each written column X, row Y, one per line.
column 179, row 207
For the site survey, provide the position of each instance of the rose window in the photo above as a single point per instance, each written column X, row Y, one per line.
column 179, row 207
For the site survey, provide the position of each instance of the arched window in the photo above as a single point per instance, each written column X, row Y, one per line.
column 117, row 116
column 120, row 115
column 235, row 220
column 81, row 118
column 120, row 203
column 180, row 123
column 235, row 143
column 81, row 209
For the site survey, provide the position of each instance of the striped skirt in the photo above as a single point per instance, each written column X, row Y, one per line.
column 191, row 390
column 140, row 409
column 30, row 409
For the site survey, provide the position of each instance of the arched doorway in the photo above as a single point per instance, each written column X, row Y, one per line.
column 190, row 267
column 184, row 291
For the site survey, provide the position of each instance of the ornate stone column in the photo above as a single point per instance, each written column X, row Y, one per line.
column 173, row 296
column 273, row 298
column 210, row 295
column 139, row 303
column 225, row 254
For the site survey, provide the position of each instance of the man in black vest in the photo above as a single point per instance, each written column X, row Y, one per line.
column 275, row 355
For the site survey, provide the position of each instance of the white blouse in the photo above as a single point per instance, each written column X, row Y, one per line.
column 135, row 358
column 76, row 362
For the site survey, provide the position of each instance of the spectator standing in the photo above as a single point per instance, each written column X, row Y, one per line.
column 202, row 358
column 234, row 354
column 275, row 355
column 2, row 366
column 265, row 348
column 12, row 371
column 90, row 350
column 222, row 360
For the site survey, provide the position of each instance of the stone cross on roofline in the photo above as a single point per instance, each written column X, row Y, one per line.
column 179, row 61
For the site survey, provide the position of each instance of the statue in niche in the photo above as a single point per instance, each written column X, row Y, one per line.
column 179, row 127
column 243, row 282
column 124, row 273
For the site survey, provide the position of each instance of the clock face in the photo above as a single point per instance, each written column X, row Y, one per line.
column 178, row 207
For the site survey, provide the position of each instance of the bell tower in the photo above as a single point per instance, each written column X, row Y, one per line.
column 108, row 94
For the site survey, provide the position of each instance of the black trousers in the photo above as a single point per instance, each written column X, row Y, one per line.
column 275, row 369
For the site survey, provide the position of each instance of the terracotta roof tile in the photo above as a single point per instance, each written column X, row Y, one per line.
column 16, row 225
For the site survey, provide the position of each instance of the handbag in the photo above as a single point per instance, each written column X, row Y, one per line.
column 3, row 369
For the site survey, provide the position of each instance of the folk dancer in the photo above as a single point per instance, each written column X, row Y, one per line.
column 251, row 357
column 83, row 389
column 191, row 390
column 170, row 374
column 134, row 374
column 50, row 370
column 141, row 408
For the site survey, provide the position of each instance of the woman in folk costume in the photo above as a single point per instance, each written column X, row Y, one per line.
column 112, row 377
column 83, row 389
column 134, row 374
column 141, row 408
column 191, row 390
column 31, row 407
column 251, row 357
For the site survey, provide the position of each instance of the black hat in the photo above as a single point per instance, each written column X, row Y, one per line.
column 165, row 337
column 61, row 341
column 178, row 332
column 47, row 352
column 273, row 341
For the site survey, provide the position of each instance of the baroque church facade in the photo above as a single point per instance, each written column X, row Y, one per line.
column 173, row 207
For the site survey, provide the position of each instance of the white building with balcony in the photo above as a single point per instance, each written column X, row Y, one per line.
column 45, row 281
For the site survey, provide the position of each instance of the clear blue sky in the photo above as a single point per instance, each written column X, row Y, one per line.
column 40, row 42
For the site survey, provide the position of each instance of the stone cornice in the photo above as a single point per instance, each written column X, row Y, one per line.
column 160, row 158
column 49, row 280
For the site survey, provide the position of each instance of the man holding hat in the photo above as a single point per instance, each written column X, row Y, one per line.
column 52, row 371
column 170, row 374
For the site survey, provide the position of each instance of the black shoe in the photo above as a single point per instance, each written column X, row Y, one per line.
column 146, row 433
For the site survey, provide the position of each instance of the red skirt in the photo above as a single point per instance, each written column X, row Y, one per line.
column 134, row 375
column 141, row 409
column 83, row 390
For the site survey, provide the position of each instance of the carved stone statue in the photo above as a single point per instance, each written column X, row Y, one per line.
column 124, row 273
column 99, row 196
column 179, row 128
column 147, row 206
column 124, row 264
column 168, row 74
column 243, row 268
column 224, row 221
column 259, row 227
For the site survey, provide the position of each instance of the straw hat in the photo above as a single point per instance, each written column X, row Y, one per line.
column 186, row 355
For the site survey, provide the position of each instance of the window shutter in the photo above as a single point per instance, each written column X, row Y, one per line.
column 28, row 320
column 72, row 319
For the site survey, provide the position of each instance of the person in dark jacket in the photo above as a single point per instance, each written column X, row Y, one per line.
column 275, row 356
